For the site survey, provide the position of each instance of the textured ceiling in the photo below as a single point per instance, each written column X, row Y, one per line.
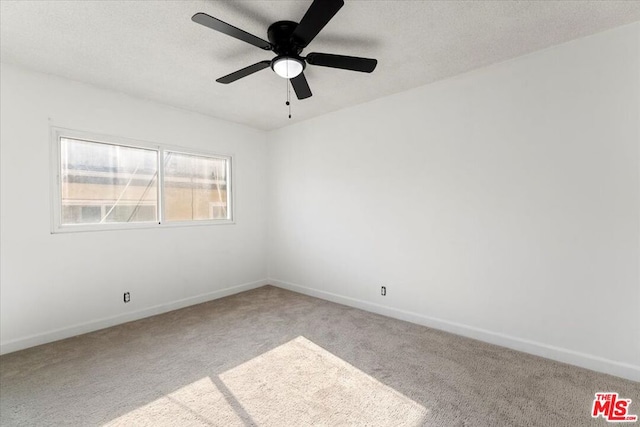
column 152, row 49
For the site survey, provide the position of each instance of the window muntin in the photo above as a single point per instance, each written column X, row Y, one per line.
column 111, row 183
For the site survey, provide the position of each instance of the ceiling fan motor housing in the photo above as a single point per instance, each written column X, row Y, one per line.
column 279, row 34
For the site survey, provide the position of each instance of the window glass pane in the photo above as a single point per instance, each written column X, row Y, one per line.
column 103, row 183
column 195, row 187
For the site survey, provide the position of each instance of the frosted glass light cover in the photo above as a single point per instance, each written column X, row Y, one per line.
column 287, row 68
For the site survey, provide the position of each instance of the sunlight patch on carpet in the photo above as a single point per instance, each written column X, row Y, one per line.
column 200, row 403
column 300, row 383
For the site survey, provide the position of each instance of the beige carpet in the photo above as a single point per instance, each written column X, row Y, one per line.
column 270, row 357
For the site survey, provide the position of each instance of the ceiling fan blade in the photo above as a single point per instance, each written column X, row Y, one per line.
column 230, row 30
column 230, row 78
column 318, row 15
column 300, row 86
column 354, row 63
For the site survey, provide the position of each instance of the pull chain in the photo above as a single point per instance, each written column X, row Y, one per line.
column 288, row 103
column 289, row 98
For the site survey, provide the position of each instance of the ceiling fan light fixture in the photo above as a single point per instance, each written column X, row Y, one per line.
column 287, row 67
column 288, row 39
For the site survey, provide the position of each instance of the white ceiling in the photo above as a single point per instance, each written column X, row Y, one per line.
column 152, row 49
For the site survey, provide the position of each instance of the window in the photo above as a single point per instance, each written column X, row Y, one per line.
column 105, row 183
column 192, row 184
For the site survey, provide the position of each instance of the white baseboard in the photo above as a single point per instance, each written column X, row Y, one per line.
column 94, row 325
column 583, row 360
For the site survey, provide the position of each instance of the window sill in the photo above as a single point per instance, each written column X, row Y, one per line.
column 82, row 228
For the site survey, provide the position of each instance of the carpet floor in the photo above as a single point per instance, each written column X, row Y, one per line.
column 270, row 357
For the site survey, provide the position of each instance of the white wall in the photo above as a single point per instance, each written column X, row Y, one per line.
column 57, row 285
column 503, row 204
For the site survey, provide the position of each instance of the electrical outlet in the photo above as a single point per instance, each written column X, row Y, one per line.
column 127, row 297
column 383, row 291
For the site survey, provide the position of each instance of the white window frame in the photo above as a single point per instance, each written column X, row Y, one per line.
column 58, row 133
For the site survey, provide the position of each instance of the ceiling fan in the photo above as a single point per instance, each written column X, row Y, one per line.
column 287, row 39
